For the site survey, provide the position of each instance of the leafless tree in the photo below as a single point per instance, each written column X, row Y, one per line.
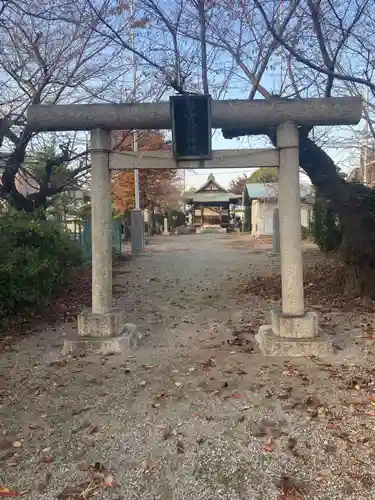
column 275, row 49
column 50, row 61
column 327, row 51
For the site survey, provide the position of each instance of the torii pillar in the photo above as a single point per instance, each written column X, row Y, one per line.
column 293, row 331
column 104, row 328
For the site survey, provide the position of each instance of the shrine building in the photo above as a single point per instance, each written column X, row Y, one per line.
column 211, row 206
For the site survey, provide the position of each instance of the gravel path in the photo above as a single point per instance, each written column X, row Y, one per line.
column 195, row 413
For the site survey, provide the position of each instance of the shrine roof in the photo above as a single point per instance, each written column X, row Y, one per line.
column 211, row 184
column 270, row 191
column 207, row 197
column 211, row 192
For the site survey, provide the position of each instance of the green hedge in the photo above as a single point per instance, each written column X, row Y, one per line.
column 37, row 259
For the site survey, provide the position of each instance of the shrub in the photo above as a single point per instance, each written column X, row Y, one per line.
column 326, row 229
column 37, row 259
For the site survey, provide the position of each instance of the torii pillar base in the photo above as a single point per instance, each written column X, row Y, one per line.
column 293, row 336
column 104, row 334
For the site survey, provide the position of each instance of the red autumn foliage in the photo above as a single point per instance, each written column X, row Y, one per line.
column 158, row 188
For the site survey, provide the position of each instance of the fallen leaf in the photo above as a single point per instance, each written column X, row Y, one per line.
column 180, row 447
column 268, row 448
column 6, row 492
column 93, row 429
column 235, row 395
column 333, row 425
column 289, row 490
column 209, row 363
column 292, row 443
column 100, row 478
column 47, row 459
column 108, row 479
column 168, row 432
column 268, row 445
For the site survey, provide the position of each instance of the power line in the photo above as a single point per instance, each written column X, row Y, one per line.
column 237, row 170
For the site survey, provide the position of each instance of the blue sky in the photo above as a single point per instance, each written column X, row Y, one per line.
column 197, row 177
column 343, row 146
column 239, row 88
column 344, row 156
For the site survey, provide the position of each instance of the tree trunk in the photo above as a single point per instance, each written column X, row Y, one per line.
column 354, row 204
column 17, row 200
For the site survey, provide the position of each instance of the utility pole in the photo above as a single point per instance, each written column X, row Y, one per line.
column 136, row 216
column 365, row 156
column 184, row 193
column 243, row 211
column 135, row 143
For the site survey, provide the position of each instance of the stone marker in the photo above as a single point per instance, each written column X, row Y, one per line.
column 137, row 232
column 166, row 232
column 276, row 233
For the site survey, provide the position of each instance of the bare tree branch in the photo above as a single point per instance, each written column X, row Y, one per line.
column 305, row 60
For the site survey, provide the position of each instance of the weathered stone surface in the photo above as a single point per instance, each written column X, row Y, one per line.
column 101, row 221
column 237, row 113
column 289, row 197
column 76, row 344
column 101, row 325
column 272, row 345
column 138, row 232
column 295, row 326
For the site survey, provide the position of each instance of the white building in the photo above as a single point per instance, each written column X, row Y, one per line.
column 261, row 200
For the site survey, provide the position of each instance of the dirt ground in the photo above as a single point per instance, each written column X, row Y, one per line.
column 195, row 412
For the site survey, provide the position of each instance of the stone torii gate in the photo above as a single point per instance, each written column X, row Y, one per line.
column 292, row 331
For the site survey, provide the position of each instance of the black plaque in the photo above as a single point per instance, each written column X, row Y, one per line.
column 191, row 127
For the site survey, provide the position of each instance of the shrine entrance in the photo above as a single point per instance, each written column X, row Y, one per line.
column 292, row 331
